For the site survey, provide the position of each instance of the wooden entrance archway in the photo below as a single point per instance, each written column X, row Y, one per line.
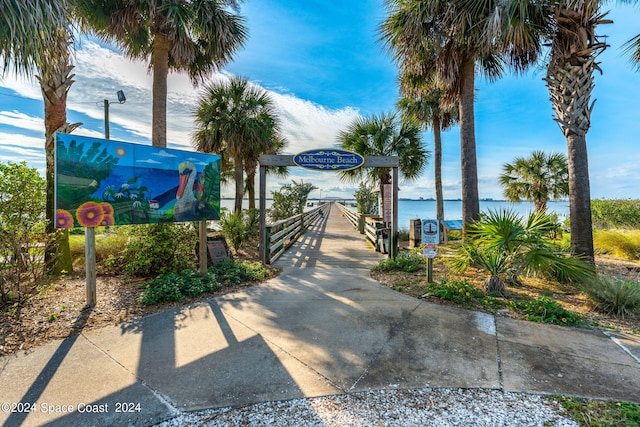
column 369, row 162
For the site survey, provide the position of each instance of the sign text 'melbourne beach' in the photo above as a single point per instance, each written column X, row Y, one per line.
column 328, row 159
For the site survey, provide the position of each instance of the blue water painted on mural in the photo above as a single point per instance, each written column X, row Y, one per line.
column 106, row 182
column 328, row 159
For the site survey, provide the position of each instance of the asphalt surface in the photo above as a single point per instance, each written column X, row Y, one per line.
column 322, row 327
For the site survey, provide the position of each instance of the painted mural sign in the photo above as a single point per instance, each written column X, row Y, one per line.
column 328, row 159
column 103, row 182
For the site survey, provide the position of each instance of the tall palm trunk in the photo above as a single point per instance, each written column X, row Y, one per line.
column 570, row 81
column 250, row 167
column 437, row 166
column 160, row 65
column 239, row 178
column 579, row 197
column 469, row 167
column 55, row 85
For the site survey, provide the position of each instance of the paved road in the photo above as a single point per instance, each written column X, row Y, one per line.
column 322, row 327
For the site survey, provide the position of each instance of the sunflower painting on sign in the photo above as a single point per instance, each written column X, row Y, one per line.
column 102, row 182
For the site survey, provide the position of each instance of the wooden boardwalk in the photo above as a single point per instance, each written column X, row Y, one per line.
column 331, row 242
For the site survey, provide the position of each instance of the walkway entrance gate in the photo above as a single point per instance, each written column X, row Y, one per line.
column 369, row 162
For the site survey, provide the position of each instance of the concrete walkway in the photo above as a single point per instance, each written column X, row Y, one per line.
column 322, row 327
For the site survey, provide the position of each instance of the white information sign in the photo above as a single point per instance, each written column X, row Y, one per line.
column 430, row 251
column 430, row 232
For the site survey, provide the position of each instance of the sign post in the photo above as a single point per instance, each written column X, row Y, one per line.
column 430, row 238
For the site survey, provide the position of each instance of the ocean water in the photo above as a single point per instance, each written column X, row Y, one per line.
column 426, row 209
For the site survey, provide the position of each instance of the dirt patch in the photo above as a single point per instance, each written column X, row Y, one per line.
column 568, row 295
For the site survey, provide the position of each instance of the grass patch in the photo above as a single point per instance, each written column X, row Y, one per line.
column 593, row 413
column 621, row 244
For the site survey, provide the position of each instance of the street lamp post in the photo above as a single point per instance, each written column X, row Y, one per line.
column 121, row 99
column 90, row 232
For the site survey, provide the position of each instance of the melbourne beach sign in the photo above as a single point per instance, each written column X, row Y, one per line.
column 328, row 159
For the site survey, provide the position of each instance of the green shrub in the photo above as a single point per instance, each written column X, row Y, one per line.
column 409, row 262
column 230, row 272
column 175, row 286
column 239, row 227
column 615, row 213
column 613, row 296
column 545, row 310
column 189, row 283
column 463, row 293
column 22, row 230
column 157, row 249
column 460, row 292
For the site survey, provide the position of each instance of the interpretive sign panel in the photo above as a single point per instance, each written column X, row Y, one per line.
column 106, row 182
column 328, row 159
column 430, row 232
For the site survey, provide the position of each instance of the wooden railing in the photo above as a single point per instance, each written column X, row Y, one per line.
column 282, row 234
column 369, row 225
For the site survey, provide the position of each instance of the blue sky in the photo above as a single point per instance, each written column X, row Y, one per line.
column 323, row 66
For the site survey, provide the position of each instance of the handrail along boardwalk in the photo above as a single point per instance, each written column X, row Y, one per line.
column 331, row 242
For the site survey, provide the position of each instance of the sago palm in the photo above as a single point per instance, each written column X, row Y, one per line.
column 196, row 37
column 537, row 178
column 507, row 246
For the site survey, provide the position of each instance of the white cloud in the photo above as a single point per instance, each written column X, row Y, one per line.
column 21, row 120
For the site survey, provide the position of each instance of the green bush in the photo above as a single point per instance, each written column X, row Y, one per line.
column 408, row 262
column 460, row 292
column 22, row 230
column 463, row 293
column 239, row 227
column 157, row 249
column 230, row 272
column 189, row 283
column 615, row 214
column 546, row 310
column 175, row 286
column 613, row 296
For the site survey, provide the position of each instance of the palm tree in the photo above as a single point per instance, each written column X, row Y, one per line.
column 450, row 36
column 192, row 36
column 384, row 135
column 27, row 29
column 537, row 178
column 569, row 27
column 35, row 35
column 54, row 75
column 574, row 48
column 427, row 108
column 274, row 145
column 238, row 120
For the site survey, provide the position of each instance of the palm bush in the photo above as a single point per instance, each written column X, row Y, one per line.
column 506, row 246
column 612, row 296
